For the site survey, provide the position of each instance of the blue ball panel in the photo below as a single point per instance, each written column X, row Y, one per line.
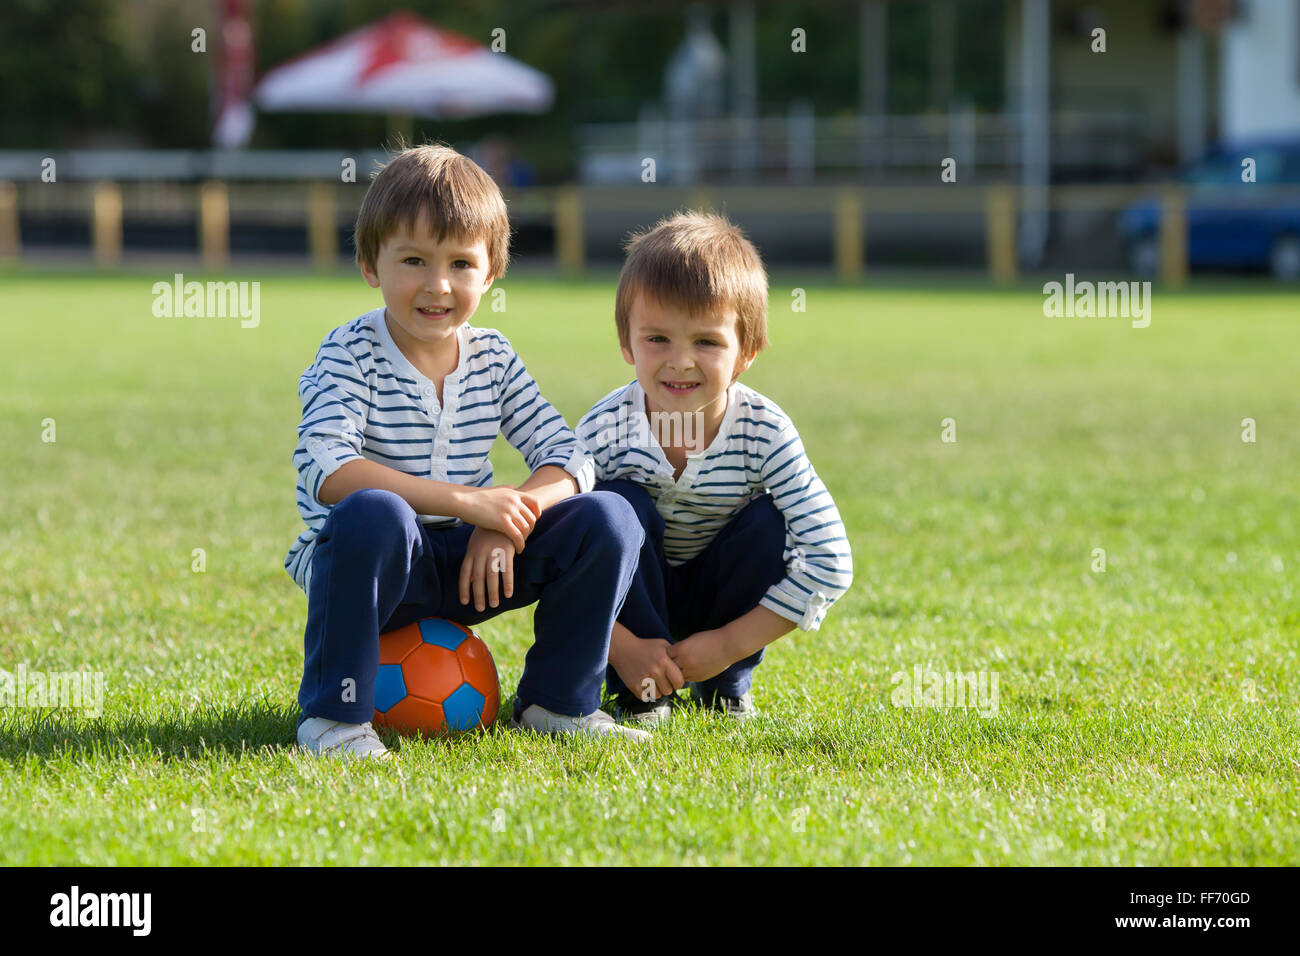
column 389, row 686
column 443, row 633
column 463, row 708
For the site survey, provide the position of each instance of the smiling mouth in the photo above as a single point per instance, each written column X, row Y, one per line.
column 679, row 388
column 434, row 312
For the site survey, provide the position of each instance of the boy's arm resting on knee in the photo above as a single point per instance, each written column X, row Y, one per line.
column 550, row 484
column 424, row 495
column 499, row 508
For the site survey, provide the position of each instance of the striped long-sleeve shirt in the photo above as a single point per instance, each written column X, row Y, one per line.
column 361, row 398
column 757, row 450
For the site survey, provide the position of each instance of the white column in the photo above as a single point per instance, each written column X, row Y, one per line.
column 1259, row 63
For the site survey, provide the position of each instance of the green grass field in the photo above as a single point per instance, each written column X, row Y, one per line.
column 1146, row 714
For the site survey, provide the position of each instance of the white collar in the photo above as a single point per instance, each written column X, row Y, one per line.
column 400, row 361
column 641, row 421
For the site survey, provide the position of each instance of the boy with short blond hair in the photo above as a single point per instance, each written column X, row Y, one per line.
column 399, row 412
column 743, row 542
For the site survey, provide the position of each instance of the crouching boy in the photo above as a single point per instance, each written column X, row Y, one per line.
column 743, row 542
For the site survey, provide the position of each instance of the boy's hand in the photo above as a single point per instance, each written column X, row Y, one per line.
column 702, row 655
column 488, row 568
column 502, row 508
column 646, row 668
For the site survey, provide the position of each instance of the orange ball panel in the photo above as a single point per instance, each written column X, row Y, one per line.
column 432, row 672
column 481, row 673
column 396, row 645
column 412, row 715
column 491, row 704
column 476, row 661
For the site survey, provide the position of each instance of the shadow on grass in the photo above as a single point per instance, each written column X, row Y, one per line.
column 260, row 725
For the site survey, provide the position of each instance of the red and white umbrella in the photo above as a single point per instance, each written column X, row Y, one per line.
column 405, row 65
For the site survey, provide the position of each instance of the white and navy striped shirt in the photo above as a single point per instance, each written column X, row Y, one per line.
column 361, row 398
column 757, row 450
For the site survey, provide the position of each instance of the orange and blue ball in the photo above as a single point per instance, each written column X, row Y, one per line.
column 436, row 678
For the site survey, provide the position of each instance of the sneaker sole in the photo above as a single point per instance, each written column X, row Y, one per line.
column 346, row 754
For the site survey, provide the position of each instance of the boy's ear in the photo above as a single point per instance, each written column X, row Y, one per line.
column 743, row 364
column 627, row 355
column 370, row 275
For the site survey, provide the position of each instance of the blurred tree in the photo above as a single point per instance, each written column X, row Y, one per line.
column 173, row 81
column 909, row 57
column 826, row 74
column 64, row 74
column 81, row 72
column 981, row 26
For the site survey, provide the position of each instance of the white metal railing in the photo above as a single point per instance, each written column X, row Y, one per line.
column 801, row 145
column 184, row 165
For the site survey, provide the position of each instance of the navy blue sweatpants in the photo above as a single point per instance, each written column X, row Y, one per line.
column 718, row 585
column 377, row 568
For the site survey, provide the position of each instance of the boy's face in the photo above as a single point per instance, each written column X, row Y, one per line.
column 684, row 364
column 431, row 287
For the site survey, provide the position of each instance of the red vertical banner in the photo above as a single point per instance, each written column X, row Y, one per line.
column 234, row 114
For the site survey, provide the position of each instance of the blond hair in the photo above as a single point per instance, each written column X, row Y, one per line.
column 451, row 191
column 699, row 262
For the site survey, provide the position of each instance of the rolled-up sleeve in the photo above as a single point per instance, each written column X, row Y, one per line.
column 819, row 563
column 335, row 402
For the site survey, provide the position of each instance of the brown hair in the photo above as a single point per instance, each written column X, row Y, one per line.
column 700, row 262
column 458, row 198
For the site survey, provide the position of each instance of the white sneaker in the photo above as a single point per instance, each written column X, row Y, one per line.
column 598, row 724
column 329, row 738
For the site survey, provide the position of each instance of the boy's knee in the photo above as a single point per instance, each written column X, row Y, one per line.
column 763, row 518
column 643, row 506
column 610, row 517
column 368, row 513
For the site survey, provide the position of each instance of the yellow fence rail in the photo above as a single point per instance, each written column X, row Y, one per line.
column 319, row 207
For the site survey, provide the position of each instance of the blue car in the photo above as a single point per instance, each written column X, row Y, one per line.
column 1231, row 224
